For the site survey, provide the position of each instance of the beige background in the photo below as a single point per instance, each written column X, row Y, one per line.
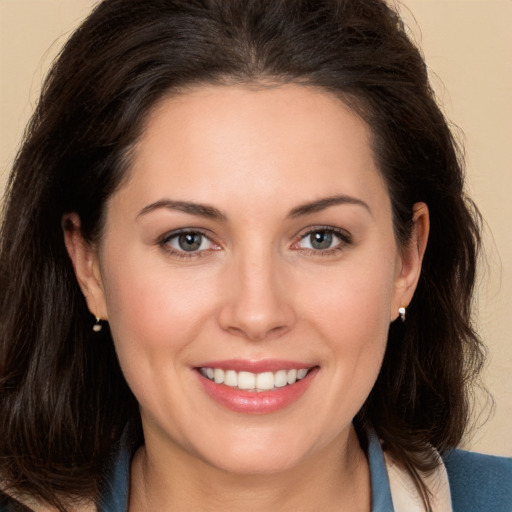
column 467, row 44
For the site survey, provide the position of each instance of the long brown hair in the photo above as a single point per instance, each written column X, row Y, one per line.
column 63, row 397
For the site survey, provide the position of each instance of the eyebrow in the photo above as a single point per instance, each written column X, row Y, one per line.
column 326, row 202
column 201, row 210
column 210, row 212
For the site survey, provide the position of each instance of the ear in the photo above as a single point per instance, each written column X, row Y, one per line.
column 411, row 257
column 86, row 265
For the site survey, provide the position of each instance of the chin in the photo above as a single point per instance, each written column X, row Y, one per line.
column 258, row 463
column 268, row 454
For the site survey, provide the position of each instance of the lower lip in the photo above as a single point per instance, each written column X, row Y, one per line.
column 257, row 402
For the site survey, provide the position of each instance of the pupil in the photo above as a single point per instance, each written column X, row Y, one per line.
column 190, row 241
column 321, row 240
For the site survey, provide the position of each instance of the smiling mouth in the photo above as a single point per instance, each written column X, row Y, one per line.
column 257, row 382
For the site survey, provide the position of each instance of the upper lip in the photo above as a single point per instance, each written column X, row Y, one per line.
column 264, row 365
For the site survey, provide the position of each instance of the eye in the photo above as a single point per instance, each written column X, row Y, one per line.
column 324, row 240
column 187, row 242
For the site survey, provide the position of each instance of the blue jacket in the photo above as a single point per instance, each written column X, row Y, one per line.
column 478, row 483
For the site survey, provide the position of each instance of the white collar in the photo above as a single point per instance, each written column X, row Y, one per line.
column 404, row 494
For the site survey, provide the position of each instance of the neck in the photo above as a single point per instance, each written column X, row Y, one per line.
column 336, row 478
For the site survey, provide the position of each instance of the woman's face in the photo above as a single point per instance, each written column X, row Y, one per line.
column 253, row 242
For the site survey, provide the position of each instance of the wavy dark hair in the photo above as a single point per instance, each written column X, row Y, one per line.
column 63, row 397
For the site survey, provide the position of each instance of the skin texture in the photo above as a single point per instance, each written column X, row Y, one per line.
column 257, row 289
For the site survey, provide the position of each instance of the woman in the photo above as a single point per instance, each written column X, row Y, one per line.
column 237, row 264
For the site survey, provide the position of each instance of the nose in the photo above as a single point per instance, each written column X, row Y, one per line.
column 257, row 303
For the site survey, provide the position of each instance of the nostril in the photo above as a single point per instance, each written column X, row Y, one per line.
column 258, row 334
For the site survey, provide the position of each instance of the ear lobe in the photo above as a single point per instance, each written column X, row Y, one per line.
column 86, row 265
column 411, row 259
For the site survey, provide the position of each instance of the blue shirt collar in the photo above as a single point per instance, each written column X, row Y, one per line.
column 381, row 490
column 116, row 486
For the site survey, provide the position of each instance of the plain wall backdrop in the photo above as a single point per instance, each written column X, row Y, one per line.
column 468, row 47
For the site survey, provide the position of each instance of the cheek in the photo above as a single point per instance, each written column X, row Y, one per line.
column 155, row 315
column 154, row 310
column 353, row 301
column 350, row 310
column 355, row 321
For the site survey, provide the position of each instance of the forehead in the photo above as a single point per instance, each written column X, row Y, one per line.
column 287, row 143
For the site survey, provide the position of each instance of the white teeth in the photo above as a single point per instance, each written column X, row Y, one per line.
column 246, row 380
column 230, row 378
column 218, row 375
column 254, row 381
column 292, row 376
column 265, row 381
column 301, row 373
column 280, row 378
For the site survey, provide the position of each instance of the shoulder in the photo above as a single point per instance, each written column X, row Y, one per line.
column 479, row 482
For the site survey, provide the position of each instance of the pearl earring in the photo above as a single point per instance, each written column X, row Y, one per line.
column 401, row 312
column 97, row 326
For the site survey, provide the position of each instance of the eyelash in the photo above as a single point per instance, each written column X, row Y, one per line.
column 344, row 237
column 186, row 255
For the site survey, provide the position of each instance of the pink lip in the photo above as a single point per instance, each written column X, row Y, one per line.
column 253, row 402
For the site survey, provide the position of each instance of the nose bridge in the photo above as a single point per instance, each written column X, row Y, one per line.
column 258, row 305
